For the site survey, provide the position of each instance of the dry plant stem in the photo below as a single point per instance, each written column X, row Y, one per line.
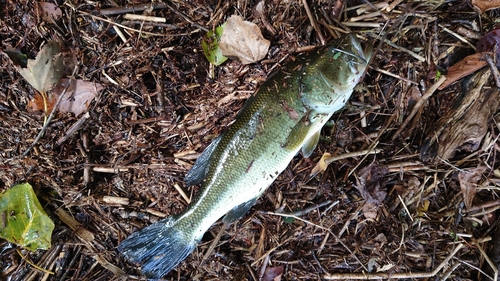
column 121, row 25
column 76, row 254
column 394, row 75
column 402, row 49
column 314, row 23
column 488, row 260
column 321, row 227
column 144, row 18
column 394, row 276
column 494, row 70
column 75, row 127
column 186, row 18
column 419, row 104
column 214, row 243
column 312, row 208
column 458, row 36
column 46, row 125
column 132, row 9
column 182, row 193
column 332, row 159
column 254, row 277
column 31, row 263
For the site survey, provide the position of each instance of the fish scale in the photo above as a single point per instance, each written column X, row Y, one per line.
column 285, row 115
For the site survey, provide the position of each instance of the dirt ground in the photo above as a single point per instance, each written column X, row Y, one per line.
column 412, row 190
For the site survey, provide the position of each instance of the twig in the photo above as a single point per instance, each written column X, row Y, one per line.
column 132, row 9
column 403, row 49
column 385, row 276
column 419, row 104
column 321, row 227
column 46, row 125
column 458, row 36
column 31, row 263
column 123, row 26
column 214, row 243
column 394, row 75
column 313, row 23
column 75, row 127
column 494, row 69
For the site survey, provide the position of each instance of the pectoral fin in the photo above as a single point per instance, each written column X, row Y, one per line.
column 296, row 137
column 200, row 167
column 238, row 211
column 310, row 145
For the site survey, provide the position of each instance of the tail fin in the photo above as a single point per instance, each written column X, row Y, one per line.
column 158, row 248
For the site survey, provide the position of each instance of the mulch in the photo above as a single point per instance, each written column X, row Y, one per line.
column 431, row 218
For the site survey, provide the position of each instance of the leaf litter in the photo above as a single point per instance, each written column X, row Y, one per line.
column 122, row 168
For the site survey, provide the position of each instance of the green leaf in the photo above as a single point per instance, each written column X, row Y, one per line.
column 17, row 57
column 23, row 220
column 210, row 45
column 46, row 70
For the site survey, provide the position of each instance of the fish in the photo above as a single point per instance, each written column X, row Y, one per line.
column 282, row 118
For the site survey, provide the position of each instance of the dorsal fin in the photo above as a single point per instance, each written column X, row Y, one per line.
column 200, row 167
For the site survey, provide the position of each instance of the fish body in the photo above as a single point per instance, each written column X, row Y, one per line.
column 283, row 117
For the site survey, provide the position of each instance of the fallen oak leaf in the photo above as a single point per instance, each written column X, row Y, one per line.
column 243, row 41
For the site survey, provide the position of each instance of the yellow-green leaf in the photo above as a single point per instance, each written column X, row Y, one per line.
column 46, row 70
column 23, row 220
column 210, row 45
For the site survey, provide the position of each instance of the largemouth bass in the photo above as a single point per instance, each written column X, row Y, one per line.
column 283, row 117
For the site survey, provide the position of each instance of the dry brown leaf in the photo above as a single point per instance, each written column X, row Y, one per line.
column 78, row 95
column 485, row 5
column 468, row 179
column 273, row 273
column 76, row 100
column 369, row 183
column 468, row 65
column 50, row 12
column 243, row 41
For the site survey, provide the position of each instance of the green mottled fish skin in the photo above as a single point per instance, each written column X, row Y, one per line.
column 288, row 110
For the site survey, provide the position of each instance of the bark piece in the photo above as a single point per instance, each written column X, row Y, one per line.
column 465, row 125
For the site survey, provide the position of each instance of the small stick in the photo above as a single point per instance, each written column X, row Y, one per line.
column 313, row 23
column 75, row 127
column 394, row 75
column 403, row 49
column 458, row 36
column 132, row 9
column 419, row 104
column 46, row 125
column 214, row 243
column 386, row 276
column 123, row 26
column 494, row 70
column 144, row 18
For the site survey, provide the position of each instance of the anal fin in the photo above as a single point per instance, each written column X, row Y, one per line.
column 310, row 145
column 238, row 211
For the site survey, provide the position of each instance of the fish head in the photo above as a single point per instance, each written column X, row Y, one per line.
column 345, row 61
column 332, row 72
